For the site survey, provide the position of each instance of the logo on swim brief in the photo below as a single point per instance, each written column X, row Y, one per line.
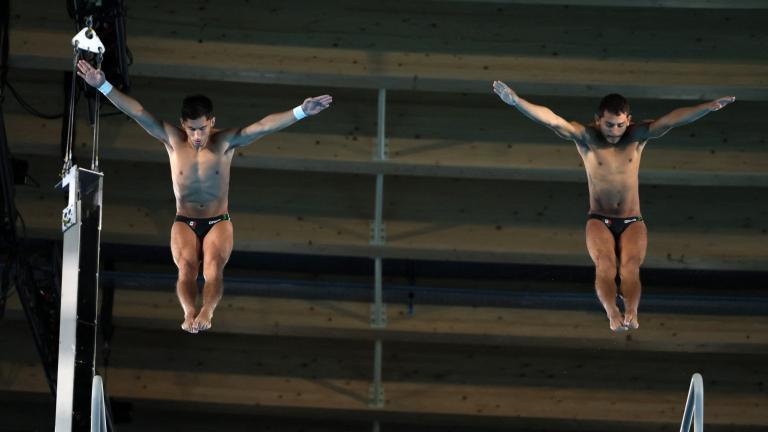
column 607, row 221
column 192, row 224
column 214, row 221
column 627, row 221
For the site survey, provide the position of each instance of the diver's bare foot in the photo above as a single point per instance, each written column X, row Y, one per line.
column 189, row 323
column 616, row 320
column 203, row 320
column 630, row 319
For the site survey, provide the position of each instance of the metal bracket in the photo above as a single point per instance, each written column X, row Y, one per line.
column 376, row 395
column 87, row 40
column 379, row 238
column 378, row 316
column 376, row 155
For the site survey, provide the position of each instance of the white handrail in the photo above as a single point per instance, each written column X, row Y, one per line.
column 694, row 406
column 98, row 409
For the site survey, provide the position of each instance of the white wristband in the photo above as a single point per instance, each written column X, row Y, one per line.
column 299, row 113
column 105, row 87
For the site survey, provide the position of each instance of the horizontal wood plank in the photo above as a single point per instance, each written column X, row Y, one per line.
column 688, row 4
column 467, row 325
column 438, row 219
column 428, row 135
column 333, row 376
column 407, row 45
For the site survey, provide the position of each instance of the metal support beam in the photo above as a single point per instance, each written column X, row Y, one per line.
column 378, row 238
column 378, row 309
column 81, row 224
column 376, row 390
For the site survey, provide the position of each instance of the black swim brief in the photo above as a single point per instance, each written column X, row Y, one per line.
column 201, row 226
column 616, row 225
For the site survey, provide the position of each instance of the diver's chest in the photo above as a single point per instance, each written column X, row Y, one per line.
column 613, row 159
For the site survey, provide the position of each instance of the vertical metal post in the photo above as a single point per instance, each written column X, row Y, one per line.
column 376, row 396
column 81, row 224
column 70, row 265
column 378, row 238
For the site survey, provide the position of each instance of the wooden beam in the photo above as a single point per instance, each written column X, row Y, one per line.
column 148, row 223
column 357, row 69
column 637, row 406
column 406, row 45
column 434, row 380
column 447, row 324
column 685, row 4
column 437, row 219
column 465, row 136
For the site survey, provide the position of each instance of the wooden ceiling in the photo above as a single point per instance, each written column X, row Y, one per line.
column 468, row 179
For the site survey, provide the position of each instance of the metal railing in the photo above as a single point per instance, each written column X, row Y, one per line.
column 98, row 408
column 694, row 406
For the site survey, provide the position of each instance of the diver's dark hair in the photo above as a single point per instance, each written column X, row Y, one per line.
column 196, row 106
column 614, row 103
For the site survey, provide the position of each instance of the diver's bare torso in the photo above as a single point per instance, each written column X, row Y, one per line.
column 612, row 172
column 201, row 176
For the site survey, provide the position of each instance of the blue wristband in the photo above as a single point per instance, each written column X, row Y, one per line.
column 299, row 113
column 105, row 87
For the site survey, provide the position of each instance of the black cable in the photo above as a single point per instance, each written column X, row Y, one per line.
column 5, row 283
column 18, row 268
column 8, row 292
column 8, row 213
column 111, row 114
column 24, row 104
column 5, row 14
